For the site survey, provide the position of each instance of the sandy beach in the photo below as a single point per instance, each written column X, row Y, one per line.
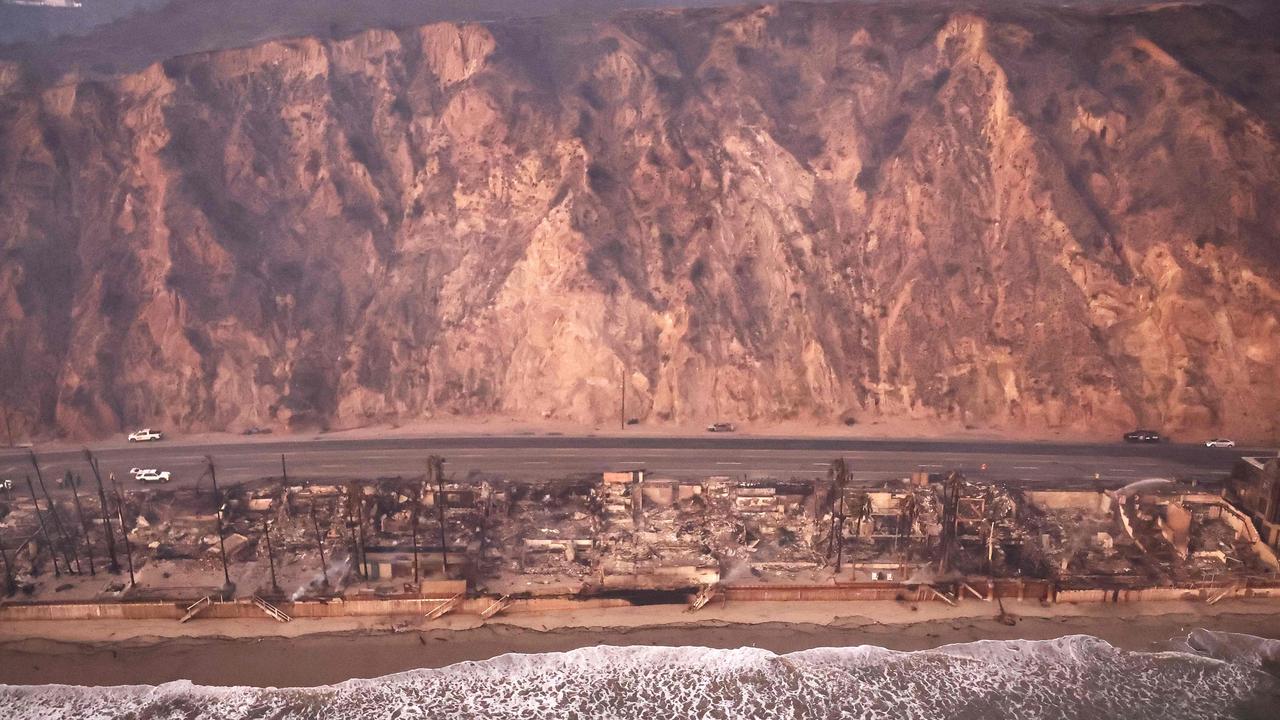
column 303, row 653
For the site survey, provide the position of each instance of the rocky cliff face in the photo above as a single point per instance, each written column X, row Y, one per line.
column 1014, row 219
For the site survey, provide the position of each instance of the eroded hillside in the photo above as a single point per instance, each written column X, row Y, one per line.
column 999, row 218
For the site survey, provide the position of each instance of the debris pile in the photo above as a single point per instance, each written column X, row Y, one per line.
column 614, row 532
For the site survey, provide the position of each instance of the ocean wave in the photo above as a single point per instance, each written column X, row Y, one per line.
column 1072, row 677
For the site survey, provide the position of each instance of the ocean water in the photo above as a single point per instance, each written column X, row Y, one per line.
column 1218, row 675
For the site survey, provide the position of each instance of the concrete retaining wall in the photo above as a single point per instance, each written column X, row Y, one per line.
column 1030, row 590
column 245, row 609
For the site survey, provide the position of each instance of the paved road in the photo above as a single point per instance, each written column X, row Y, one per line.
column 549, row 456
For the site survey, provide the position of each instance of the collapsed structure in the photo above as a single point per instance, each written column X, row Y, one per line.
column 631, row 533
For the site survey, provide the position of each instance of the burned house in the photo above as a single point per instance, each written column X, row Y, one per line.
column 626, row 532
column 541, row 538
column 1254, row 487
column 653, row 533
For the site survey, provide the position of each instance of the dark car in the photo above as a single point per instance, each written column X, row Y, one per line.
column 1143, row 436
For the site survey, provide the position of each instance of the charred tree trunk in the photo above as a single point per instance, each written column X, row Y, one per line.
column 84, row 526
column 360, row 537
column 271, row 556
column 124, row 529
column 840, row 545
column 413, row 527
column 114, row 567
column 57, row 520
column 10, row 584
column 435, row 468
column 353, row 540
column 44, row 532
column 315, row 523
column 217, row 514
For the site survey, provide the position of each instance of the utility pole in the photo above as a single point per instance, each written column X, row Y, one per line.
column 622, row 410
column 222, row 549
column 284, row 470
column 44, row 532
column 106, row 514
column 324, row 566
column 84, row 526
column 218, row 514
column 57, row 520
column 212, row 472
column 271, row 556
column 124, row 529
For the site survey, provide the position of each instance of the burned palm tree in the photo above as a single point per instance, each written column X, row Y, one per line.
column 106, row 514
column 57, row 520
column 907, row 512
column 435, row 475
column 861, row 508
column 950, row 516
column 839, row 477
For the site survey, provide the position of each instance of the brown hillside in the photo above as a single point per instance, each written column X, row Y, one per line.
column 1006, row 218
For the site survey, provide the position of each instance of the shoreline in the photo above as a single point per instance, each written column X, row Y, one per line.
column 323, row 652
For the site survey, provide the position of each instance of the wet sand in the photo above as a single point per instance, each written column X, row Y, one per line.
column 317, row 656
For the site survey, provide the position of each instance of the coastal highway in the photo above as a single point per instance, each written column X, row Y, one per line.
column 539, row 457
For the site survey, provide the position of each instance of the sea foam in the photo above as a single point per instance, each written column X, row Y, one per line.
column 1071, row 677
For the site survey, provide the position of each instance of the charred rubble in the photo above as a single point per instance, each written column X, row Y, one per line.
column 435, row 535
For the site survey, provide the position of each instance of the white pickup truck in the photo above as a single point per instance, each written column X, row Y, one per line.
column 151, row 476
column 144, row 435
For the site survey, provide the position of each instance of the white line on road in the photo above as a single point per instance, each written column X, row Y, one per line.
column 932, row 466
column 822, row 464
column 1121, row 470
column 631, row 462
column 535, row 462
column 728, row 463
column 1024, row 467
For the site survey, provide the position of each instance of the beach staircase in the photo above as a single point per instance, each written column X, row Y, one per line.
column 965, row 587
column 936, row 593
column 498, row 606
column 272, row 611
column 196, row 608
column 444, row 607
column 1219, row 596
column 704, row 596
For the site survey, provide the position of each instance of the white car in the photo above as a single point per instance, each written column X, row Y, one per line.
column 1220, row 442
column 144, row 435
column 151, row 476
column 139, row 471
